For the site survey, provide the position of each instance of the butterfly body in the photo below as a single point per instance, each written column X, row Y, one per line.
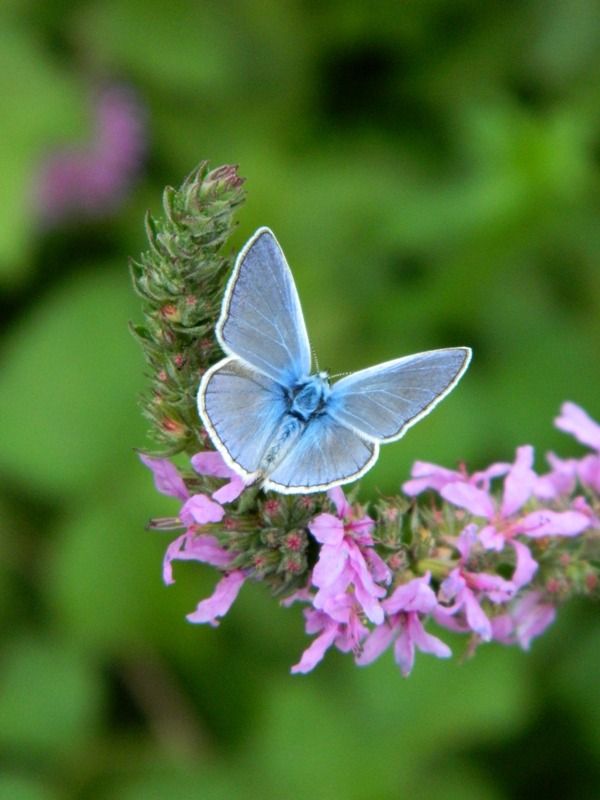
column 276, row 422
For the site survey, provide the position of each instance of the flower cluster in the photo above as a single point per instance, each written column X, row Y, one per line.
column 490, row 555
column 493, row 562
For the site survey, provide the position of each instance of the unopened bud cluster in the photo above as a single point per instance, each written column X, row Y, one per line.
column 180, row 279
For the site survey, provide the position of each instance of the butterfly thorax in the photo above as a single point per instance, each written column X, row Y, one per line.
column 308, row 398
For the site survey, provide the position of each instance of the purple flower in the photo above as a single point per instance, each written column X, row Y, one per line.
column 525, row 619
column 503, row 524
column 560, row 481
column 211, row 463
column 92, row 180
column 219, row 603
column 198, row 510
column 404, row 627
column 575, row 421
column 465, row 589
column 344, row 629
column 431, row 476
column 347, row 560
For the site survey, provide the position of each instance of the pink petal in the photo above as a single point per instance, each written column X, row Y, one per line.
column 519, row 483
column 219, row 603
column 452, row 586
column 172, row 553
column 375, row 644
column 560, row 480
column 588, row 470
column 490, row 538
column 416, row 595
column 205, row 549
column 476, row 619
column 230, row 491
column 429, row 476
column 404, row 650
column 426, row 642
column 316, row 650
column 553, row 523
column 497, row 589
column 210, row 462
column 338, row 498
column 574, row 420
column 166, row 477
column 200, row 509
column 330, row 565
column 526, row 566
column 327, row 529
column 474, row 500
column 532, row 617
column 377, row 566
column 483, row 478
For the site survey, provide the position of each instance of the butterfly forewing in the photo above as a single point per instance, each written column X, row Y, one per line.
column 242, row 410
column 261, row 321
column 327, row 454
column 383, row 401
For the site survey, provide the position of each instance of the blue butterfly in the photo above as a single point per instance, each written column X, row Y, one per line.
column 275, row 422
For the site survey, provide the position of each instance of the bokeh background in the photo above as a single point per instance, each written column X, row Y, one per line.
column 431, row 168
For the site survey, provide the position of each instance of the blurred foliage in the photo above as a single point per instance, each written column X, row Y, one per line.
column 432, row 171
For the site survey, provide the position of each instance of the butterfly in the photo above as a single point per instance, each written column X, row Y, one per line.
column 294, row 431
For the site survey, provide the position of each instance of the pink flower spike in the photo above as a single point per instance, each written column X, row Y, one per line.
column 200, row 509
column 574, row 420
column 166, row 477
column 220, row 601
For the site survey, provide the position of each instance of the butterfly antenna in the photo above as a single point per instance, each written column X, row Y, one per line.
column 315, row 359
column 340, row 375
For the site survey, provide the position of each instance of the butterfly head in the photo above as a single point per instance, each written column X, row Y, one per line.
column 309, row 396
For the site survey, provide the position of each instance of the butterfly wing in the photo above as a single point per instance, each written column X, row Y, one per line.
column 261, row 319
column 326, row 454
column 241, row 409
column 382, row 402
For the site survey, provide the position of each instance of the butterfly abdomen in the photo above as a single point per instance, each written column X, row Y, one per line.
column 285, row 437
column 305, row 400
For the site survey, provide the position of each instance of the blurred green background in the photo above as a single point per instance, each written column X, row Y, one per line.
column 431, row 169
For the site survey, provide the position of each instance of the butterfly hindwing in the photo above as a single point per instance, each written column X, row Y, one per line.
column 382, row 402
column 241, row 409
column 261, row 320
column 326, row 454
